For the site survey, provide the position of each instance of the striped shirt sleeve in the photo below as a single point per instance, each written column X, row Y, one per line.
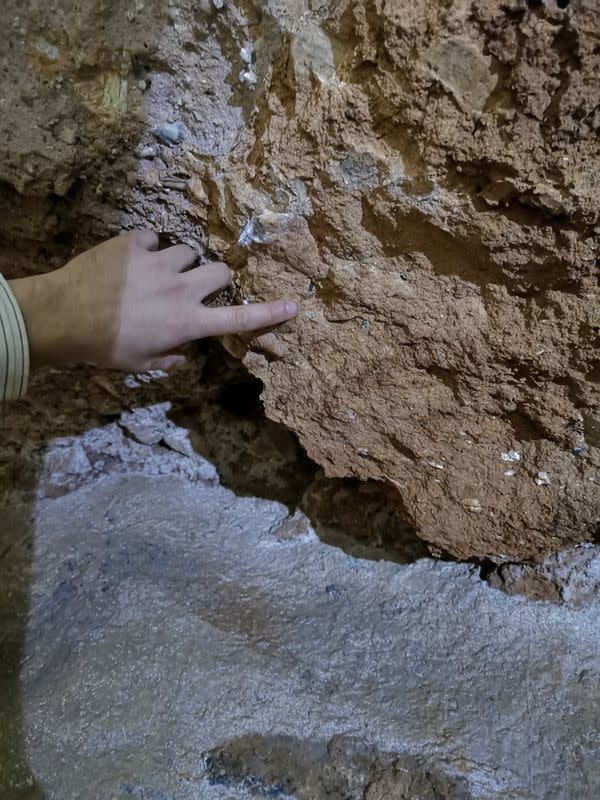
column 14, row 347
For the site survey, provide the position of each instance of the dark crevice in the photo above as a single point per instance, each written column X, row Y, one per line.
column 343, row 768
column 257, row 457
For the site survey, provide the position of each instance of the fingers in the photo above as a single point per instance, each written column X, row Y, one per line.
column 146, row 239
column 177, row 258
column 208, row 279
column 237, row 319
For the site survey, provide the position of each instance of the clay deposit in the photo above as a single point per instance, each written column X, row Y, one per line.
column 422, row 176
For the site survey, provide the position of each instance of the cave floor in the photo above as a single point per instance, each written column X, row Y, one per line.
column 161, row 641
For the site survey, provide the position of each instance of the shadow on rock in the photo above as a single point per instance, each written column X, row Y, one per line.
column 254, row 456
column 16, row 549
column 341, row 769
column 257, row 457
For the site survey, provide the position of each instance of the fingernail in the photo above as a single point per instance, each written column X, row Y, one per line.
column 291, row 307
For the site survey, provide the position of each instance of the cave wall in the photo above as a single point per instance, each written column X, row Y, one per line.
column 421, row 176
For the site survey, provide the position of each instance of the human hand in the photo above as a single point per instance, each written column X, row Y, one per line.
column 127, row 305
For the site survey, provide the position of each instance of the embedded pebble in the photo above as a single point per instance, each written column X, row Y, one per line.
column 247, row 53
column 511, row 455
column 363, row 452
column 47, row 49
column 253, row 231
column 170, row 132
column 472, row 504
column 542, row 478
column 179, row 184
column 248, row 76
column 146, row 152
column 67, row 134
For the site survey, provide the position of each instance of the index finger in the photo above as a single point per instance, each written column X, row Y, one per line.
column 253, row 317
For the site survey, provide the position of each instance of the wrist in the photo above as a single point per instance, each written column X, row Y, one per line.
column 39, row 299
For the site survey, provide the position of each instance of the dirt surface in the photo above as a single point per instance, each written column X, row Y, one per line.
column 160, row 640
column 571, row 577
column 422, row 177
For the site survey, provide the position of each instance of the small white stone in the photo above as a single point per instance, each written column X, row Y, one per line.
column 47, row 49
column 542, row 478
column 248, row 76
column 511, row 455
column 247, row 53
column 472, row 504
column 170, row 133
column 510, row 473
column 147, row 152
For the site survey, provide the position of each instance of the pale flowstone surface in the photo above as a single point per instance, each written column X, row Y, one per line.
column 174, row 647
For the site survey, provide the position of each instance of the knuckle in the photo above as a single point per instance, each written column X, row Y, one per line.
column 240, row 318
column 141, row 237
column 180, row 299
column 215, row 274
column 271, row 314
column 215, row 278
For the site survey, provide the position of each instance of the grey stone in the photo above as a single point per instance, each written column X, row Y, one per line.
column 173, row 646
column 462, row 69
